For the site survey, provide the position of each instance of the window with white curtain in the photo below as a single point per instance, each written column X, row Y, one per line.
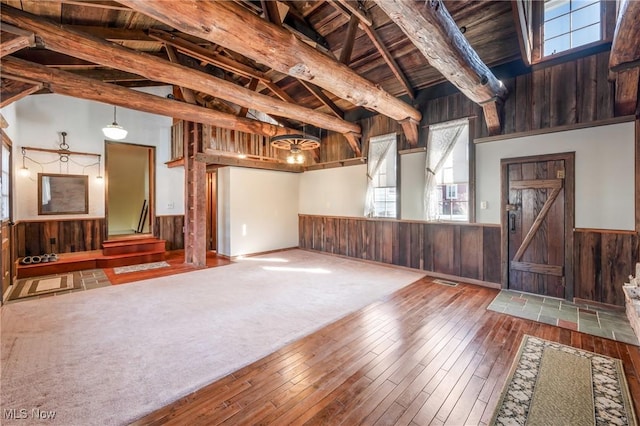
column 447, row 171
column 381, row 199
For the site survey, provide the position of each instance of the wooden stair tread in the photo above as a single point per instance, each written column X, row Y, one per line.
column 134, row 254
column 130, row 242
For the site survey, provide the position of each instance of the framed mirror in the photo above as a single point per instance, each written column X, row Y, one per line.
column 63, row 194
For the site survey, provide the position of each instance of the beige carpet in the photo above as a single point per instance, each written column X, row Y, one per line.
column 554, row 384
column 114, row 354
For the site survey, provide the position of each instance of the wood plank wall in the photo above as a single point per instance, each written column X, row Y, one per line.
column 461, row 250
column 603, row 261
column 171, row 229
column 35, row 237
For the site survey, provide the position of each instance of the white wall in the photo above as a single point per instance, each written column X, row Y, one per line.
column 412, row 169
column 604, row 173
column 39, row 119
column 258, row 210
column 334, row 192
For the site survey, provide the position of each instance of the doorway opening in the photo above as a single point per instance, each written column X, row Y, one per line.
column 130, row 173
column 212, row 211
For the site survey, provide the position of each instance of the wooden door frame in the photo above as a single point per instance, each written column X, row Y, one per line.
column 152, row 185
column 8, row 143
column 569, row 213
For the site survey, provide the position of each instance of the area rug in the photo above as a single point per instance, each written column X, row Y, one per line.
column 115, row 354
column 140, row 267
column 551, row 383
column 37, row 286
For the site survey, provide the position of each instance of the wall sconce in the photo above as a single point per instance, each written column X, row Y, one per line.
column 24, row 171
column 113, row 130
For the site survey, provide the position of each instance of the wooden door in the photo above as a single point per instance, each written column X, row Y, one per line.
column 538, row 223
column 5, row 217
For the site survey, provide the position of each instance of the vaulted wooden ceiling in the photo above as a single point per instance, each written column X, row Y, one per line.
column 357, row 33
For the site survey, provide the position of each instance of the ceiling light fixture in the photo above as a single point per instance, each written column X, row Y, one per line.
column 113, row 130
column 295, row 144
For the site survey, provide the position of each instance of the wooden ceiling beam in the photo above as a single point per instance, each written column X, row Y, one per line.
column 206, row 55
column 187, row 94
column 69, row 84
column 101, row 4
column 113, row 34
column 224, row 160
column 434, row 32
column 13, row 39
column 350, row 39
column 625, row 49
column 240, row 30
column 352, row 8
column 319, row 94
column 253, row 84
column 14, row 90
column 626, row 96
column 93, row 49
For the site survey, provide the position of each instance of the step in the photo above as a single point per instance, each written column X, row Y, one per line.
column 67, row 262
column 134, row 245
column 127, row 259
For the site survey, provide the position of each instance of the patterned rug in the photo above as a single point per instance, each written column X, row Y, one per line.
column 37, row 286
column 141, row 267
column 551, row 383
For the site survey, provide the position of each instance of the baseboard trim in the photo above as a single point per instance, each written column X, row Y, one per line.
column 260, row 253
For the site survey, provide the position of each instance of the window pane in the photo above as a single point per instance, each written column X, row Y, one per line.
column 554, row 8
column 384, row 179
column 557, row 26
column 557, row 44
column 586, row 16
column 579, row 4
column 586, row 35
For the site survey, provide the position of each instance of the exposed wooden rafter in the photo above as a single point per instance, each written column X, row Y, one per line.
column 13, row 39
column 353, row 9
column 14, row 90
column 99, row 51
column 349, row 40
column 187, row 94
column 434, row 32
column 522, row 13
column 627, row 91
column 253, row 84
column 69, row 84
column 284, row 53
column 625, row 49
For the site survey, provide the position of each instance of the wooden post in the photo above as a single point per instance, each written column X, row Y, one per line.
column 195, row 222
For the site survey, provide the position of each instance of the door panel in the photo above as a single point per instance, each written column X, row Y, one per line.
column 536, row 227
column 5, row 217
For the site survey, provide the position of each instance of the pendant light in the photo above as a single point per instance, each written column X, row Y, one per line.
column 113, row 130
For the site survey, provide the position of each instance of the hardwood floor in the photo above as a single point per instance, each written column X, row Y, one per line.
column 174, row 258
column 428, row 354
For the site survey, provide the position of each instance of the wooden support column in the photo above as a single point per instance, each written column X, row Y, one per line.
column 195, row 209
column 492, row 113
column 637, row 150
column 253, row 84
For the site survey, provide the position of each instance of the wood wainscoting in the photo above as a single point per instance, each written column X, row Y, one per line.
column 58, row 236
column 603, row 261
column 171, row 229
column 463, row 250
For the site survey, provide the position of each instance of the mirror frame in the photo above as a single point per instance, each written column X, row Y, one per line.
column 78, row 197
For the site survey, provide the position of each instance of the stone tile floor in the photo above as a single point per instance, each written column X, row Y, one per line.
column 584, row 318
column 89, row 279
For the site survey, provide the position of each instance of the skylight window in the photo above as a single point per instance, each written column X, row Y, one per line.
column 570, row 23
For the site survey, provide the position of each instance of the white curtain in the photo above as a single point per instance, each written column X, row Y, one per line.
column 378, row 149
column 442, row 138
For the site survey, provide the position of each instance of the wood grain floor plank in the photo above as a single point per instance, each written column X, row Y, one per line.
column 428, row 354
